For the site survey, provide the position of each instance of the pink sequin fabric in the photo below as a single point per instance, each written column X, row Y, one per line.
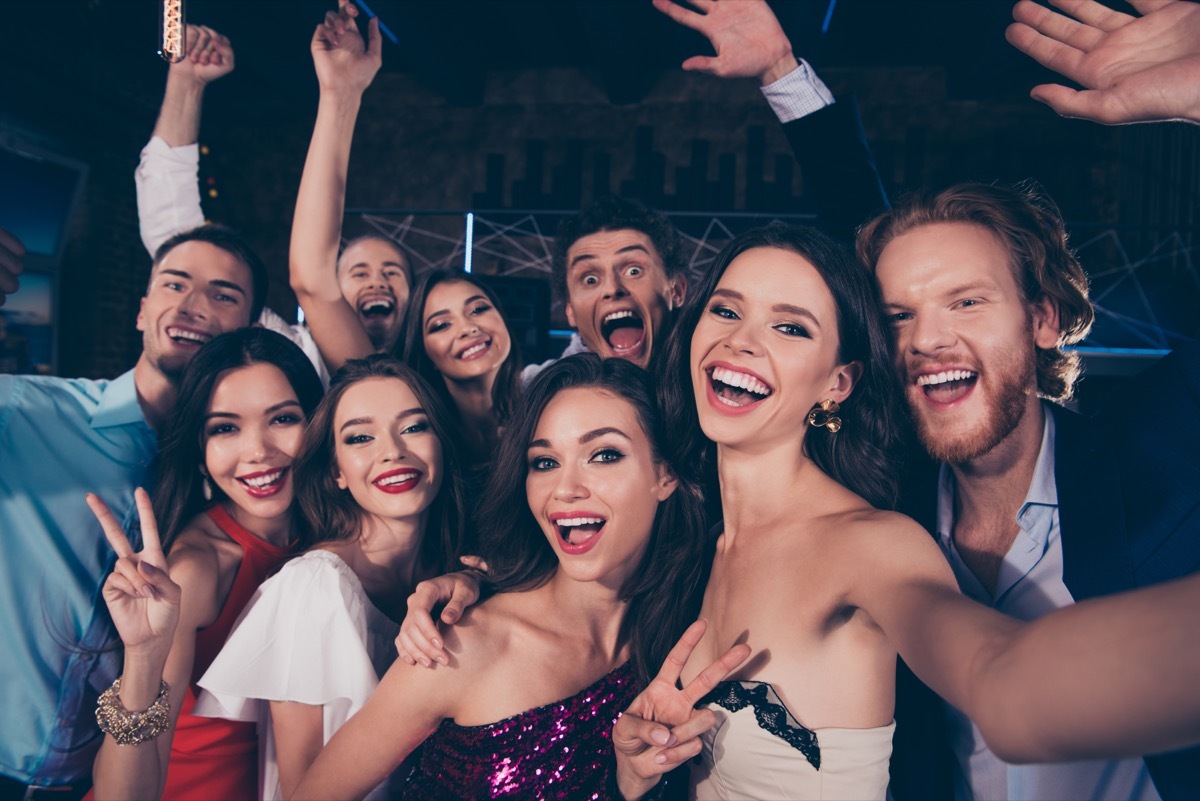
column 559, row 751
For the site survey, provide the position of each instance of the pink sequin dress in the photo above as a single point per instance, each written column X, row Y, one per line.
column 559, row 751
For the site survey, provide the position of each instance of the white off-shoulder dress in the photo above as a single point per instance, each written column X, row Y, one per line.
column 310, row 635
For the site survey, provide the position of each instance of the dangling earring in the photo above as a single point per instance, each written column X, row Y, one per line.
column 205, row 487
column 824, row 414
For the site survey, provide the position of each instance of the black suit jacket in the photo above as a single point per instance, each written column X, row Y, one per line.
column 837, row 166
column 1128, row 481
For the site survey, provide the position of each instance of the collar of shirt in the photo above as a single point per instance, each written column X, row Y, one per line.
column 118, row 404
column 1037, row 517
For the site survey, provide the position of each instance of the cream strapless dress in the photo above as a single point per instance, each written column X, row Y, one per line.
column 758, row 750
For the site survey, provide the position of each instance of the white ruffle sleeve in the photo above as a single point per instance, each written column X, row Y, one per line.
column 309, row 634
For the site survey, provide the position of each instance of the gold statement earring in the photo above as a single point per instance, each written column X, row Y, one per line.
column 824, row 414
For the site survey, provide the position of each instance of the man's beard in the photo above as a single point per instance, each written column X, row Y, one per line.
column 1010, row 382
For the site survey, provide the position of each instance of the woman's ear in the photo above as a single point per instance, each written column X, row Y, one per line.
column 845, row 376
column 666, row 484
column 341, row 481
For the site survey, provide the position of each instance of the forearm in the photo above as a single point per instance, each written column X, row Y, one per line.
column 316, row 233
column 179, row 118
column 136, row 772
column 1111, row 676
column 1108, row 677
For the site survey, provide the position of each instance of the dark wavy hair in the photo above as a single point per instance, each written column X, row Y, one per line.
column 861, row 456
column 1028, row 224
column 411, row 348
column 332, row 514
column 665, row 590
column 615, row 214
column 179, row 485
column 232, row 243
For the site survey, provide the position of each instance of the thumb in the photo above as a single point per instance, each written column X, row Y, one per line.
column 706, row 64
column 164, row 588
column 374, row 40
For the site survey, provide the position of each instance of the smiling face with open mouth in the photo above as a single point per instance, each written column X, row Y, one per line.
column 618, row 294
column 766, row 349
column 966, row 337
column 197, row 291
column 387, row 454
column 593, row 484
column 252, row 430
column 372, row 279
column 465, row 336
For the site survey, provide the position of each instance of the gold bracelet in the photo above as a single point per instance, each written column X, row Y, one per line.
column 132, row 728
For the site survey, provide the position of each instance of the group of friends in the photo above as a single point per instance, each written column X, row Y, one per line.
column 814, row 524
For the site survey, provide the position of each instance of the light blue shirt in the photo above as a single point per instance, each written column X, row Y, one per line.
column 1029, row 585
column 59, row 439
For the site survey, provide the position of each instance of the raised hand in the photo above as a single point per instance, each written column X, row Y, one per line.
column 1133, row 68
column 662, row 727
column 12, row 264
column 745, row 33
column 344, row 63
column 209, row 56
column 141, row 597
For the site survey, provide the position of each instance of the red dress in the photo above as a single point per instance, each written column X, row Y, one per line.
column 212, row 758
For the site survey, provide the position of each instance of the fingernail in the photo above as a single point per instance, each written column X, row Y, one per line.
column 661, row 759
column 436, row 642
column 660, row 736
column 441, row 660
column 425, row 662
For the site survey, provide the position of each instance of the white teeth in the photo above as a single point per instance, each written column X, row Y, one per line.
column 398, row 478
column 943, row 377
column 381, row 305
column 618, row 315
column 471, row 351
column 740, row 380
column 580, row 521
column 260, row 482
column 190, row 336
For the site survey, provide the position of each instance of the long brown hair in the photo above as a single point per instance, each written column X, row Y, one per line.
column 332, row 514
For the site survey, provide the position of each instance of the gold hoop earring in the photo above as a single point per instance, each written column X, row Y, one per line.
column 824, row 415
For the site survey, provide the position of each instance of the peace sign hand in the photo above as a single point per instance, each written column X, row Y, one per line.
column 141, row 597
column 662, row 727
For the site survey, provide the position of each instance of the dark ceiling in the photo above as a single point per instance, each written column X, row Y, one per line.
column 449, row 44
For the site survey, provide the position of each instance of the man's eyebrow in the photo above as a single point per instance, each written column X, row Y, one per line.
column 621, row 251
column 227, row 285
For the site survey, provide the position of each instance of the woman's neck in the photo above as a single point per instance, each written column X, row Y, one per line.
column 586, row 611
column 386, row 557
column 275, row 530
column 761, row 490
column 473, row 397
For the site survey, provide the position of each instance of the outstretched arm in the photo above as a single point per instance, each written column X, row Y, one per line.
column 167, row 190
column 405, row 708
column 1107, row 677
column 1132, row 68
column 345, row 66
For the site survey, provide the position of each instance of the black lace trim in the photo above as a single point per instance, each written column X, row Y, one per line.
column 769, row 711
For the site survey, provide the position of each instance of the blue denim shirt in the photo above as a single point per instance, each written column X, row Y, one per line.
column 60, row 439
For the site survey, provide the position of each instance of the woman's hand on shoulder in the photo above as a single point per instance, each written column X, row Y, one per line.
column 662, row 727
column 419, row 641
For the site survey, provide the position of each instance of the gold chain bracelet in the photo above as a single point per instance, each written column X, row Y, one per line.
column 132, row 728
